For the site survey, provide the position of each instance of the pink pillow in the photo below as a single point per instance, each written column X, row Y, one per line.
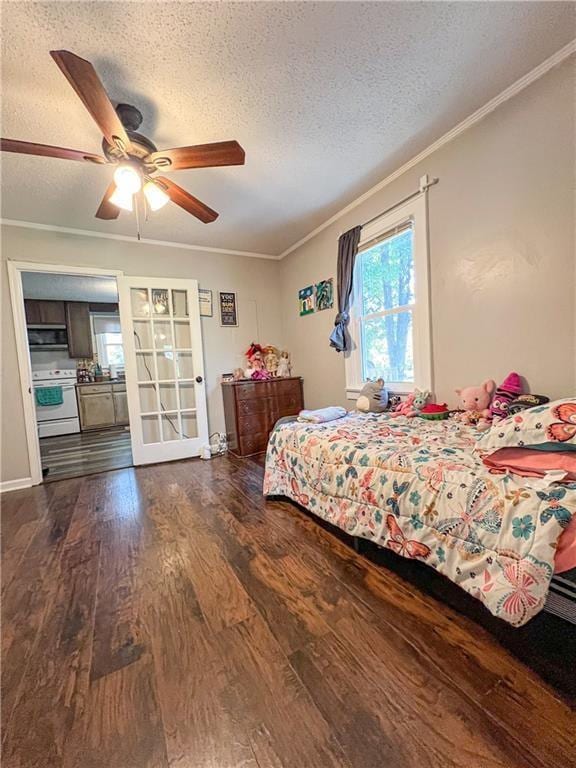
column 530, row 463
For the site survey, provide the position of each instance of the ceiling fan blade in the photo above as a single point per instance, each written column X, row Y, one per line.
column 45, row 150
column 83, row 78
column 187, row 201
column 108, row 210
column 200, row 156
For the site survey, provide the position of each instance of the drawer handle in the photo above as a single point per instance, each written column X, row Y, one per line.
column 199, row 379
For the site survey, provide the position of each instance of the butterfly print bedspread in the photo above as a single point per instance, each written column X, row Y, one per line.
column 419, row 488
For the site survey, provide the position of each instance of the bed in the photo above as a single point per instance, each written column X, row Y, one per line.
column 421, row 489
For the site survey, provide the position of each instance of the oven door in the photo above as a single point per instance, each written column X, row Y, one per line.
column 68, row 409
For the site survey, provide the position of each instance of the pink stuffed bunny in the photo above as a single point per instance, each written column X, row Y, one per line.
column 406, row 406
column 475, row 404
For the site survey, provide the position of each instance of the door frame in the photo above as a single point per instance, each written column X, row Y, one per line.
column 15, row 269
column 162, row 450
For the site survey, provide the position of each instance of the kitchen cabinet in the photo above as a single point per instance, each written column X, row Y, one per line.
column 40, row 312
column 102, row 404
column 96, row 410
column 120, row 407
column 78, row 329
column 103, row 307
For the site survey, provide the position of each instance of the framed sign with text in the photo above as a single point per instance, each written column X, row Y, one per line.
column 205, row 299
column 228, row 309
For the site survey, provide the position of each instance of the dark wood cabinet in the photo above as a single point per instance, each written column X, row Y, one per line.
column 78, row 329
column 251, row 408
column 39, row 312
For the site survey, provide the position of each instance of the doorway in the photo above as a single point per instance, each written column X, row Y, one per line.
column 158, row 397
column 70, row 349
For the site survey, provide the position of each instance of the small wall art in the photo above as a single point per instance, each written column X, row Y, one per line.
column 205, row 300
column 324, row 294
column 228, row 309
column 306, row 300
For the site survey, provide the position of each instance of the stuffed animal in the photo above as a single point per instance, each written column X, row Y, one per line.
column 475, row 404
column 373, row 397
column 508, row 391
column 435, row 412
column 413, row 403
column 421, row 397
column 405, row 406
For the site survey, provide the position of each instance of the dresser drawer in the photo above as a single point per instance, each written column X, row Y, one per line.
column 275, row 387
column 253, row 443
column 286, row 405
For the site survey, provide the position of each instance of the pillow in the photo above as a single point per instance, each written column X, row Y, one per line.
column 527, row 462
column 554, row 422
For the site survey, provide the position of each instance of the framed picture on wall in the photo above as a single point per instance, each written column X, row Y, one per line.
column 306, row 300
column 205, row 300
column 228, row 309
column 324, row 295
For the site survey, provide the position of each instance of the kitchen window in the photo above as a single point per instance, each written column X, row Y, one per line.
column 389, row 320
column 108, row 340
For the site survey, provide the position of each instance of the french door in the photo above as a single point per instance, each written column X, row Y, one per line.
column 164, row 365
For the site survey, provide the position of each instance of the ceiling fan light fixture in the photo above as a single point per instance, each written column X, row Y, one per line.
column 127, row 179
column 155, row 195
column 121, row 199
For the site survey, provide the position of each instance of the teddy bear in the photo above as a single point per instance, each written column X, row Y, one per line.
column 373, row 397
column 475, row 404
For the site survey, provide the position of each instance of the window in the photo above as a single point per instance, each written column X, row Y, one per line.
column 389, row 323
column 110, row 349
column 108, row 340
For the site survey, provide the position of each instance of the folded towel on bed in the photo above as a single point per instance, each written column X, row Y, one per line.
column 321, row 415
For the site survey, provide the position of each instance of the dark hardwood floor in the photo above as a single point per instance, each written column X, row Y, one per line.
column 85, row 453
column 170, row 616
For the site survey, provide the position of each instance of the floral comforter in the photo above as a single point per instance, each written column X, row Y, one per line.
column 420, row 488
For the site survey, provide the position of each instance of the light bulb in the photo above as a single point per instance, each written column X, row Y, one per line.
column 127, row 179
column 121, row 199
column 155, row 195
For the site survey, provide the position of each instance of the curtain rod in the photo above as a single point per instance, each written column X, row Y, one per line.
column 425, row 183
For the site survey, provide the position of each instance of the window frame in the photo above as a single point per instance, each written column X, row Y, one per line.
column 414, row 212
column 99, row 346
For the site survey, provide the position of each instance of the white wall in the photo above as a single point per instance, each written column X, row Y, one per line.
column 502, row 253
column 254, row 280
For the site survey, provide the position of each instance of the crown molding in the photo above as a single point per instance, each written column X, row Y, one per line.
column 475, row 117
column 129, row 239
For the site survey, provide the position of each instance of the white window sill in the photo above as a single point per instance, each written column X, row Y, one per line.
column 394, row 389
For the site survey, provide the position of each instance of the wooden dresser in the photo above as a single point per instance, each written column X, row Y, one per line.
column 251, row 409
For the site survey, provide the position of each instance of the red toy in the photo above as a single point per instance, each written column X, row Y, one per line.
column 435, row 411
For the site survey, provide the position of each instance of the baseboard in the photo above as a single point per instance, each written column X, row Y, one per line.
column 14, row 485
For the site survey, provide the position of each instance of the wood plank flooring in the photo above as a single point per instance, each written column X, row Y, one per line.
column 171, row 616
column 85, row 453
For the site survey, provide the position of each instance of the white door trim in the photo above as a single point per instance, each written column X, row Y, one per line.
column 15, row 269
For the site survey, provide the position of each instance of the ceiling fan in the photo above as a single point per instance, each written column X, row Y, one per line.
column 136, row 158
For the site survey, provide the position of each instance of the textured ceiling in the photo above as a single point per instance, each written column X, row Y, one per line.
column 326, row 98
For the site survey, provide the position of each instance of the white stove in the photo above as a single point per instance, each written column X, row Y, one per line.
column 57, row 419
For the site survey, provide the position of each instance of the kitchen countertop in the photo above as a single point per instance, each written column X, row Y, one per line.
column 96, row 383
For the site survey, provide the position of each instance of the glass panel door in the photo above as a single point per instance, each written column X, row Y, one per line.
column 164, row 368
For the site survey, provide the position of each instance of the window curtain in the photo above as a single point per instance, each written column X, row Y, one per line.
column 347, row 250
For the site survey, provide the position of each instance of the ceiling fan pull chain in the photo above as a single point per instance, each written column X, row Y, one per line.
column 136, row 201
